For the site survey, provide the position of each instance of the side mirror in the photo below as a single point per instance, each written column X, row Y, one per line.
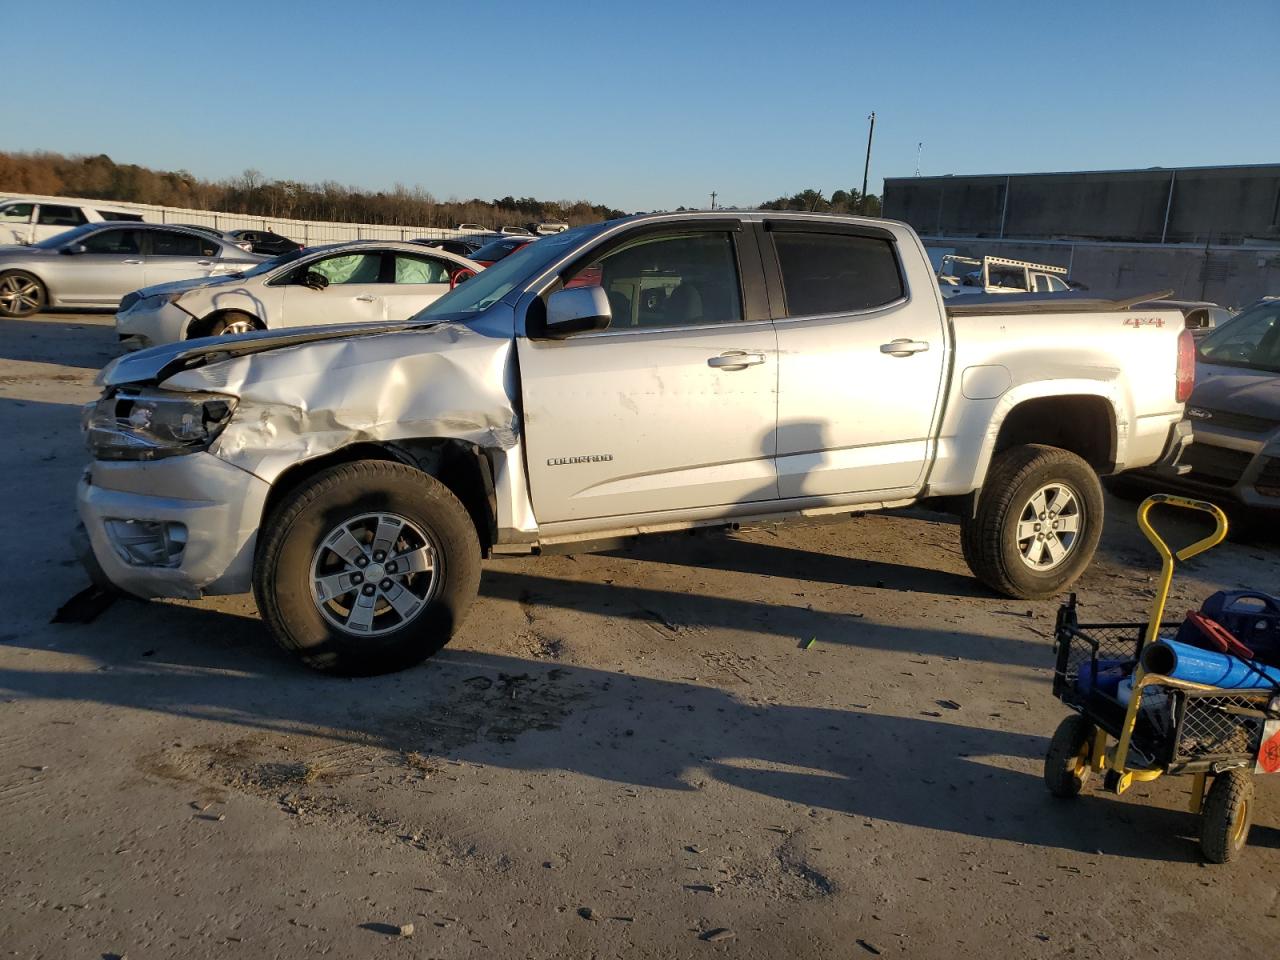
column 74, row 248
column 577, row 310
column 316, row 281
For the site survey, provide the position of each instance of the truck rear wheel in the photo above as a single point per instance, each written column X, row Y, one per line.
column 1038, row 521
column 367, row 568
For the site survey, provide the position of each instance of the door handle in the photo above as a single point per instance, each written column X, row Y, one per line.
column 904, row 347
column 366, row 298
column 736, row 360
column 133, row 261
column 204, row 263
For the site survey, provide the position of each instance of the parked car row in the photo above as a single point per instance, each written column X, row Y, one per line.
column 24, row 221
column 358, row 282
column 97, row 264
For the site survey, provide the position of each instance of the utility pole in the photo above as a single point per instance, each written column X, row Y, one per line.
column 862, row 202
column 919, row 147
column 713, row 199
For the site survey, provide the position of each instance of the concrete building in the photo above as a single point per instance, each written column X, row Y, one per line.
column 1207, row 232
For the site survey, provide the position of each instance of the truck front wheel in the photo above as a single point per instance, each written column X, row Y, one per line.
column 366, row 568
column 1038, row 521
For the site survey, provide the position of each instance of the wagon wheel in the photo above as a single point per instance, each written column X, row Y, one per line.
column 1066, row 765
column 1228, row 814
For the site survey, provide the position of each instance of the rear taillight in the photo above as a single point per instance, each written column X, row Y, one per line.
column 1186, row 366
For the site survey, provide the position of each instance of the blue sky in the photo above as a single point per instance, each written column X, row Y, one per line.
column 641, row 105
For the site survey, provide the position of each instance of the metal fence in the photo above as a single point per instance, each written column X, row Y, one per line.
column 306, row 232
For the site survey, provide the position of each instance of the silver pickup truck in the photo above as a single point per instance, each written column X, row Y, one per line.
column 650, row 374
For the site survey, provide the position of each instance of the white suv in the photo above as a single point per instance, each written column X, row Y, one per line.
column 29, row 221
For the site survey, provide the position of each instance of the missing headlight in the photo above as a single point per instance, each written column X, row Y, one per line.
column 153, row 424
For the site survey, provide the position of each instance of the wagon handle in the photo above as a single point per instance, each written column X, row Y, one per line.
column 1167, row 556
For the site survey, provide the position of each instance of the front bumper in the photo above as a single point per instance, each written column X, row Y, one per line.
column 1232, row 464
column 144, row 326
column 218, row 507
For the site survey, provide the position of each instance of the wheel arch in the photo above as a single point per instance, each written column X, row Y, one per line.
column 49, row 297
column 1083, row 423
column 462, row 466
column 199, row 327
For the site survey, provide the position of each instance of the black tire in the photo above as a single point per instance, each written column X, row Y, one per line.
column 989, row 538
column 220, row 325
column 22, row 294
column 1227, row 816
column 1066, row 764
column 292, row 536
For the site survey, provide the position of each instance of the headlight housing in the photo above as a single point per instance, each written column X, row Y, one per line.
column 152, row 301
column 146, row 424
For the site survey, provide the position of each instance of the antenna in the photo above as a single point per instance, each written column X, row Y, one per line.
column 919, row 148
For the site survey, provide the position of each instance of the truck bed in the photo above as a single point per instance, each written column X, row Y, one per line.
column 1024, row 303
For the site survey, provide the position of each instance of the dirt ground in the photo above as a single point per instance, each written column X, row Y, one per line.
column 618, row 756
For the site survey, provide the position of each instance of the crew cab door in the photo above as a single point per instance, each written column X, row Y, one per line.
column 178, row 255
column 109, row 267
column 415, row 281
column 861, row 356
column 673, row 407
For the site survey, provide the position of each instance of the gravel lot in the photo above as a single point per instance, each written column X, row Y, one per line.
column 619, row 755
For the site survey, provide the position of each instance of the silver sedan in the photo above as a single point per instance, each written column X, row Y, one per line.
column 97, row 264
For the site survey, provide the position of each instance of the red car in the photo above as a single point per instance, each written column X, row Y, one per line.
column 497, row 250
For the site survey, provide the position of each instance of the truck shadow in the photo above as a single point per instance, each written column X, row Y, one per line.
column 715, row 551
column 533, row 715
column 789, row 623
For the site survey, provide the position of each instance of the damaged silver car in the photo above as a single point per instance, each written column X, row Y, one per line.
column 662, row 372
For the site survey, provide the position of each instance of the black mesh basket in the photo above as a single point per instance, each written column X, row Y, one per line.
column 1179, row 730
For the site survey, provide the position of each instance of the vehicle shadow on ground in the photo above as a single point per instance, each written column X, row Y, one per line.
column 675, row 610
column 51, row 339
column 536, row 715
column 713, row 551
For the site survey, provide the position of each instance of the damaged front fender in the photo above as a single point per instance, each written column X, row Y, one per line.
column 444, row 381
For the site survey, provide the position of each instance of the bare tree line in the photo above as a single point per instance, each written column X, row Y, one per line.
column 100, row 178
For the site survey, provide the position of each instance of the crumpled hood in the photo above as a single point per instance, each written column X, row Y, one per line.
column 390, row 383
column 158, row 363
column 178, row 286
column 1249, row 394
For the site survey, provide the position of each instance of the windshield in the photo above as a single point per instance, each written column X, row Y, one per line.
column 1251, row 340
column 497, row 249
column 489, row 286
column 268, row 265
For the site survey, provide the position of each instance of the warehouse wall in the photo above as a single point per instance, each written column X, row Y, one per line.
column 1220, row 204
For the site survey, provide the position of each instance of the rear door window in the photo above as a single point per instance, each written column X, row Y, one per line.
column 170, row 243
column 121, row 241
column 836, row 272
column 57, row 215
column 410, row 269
